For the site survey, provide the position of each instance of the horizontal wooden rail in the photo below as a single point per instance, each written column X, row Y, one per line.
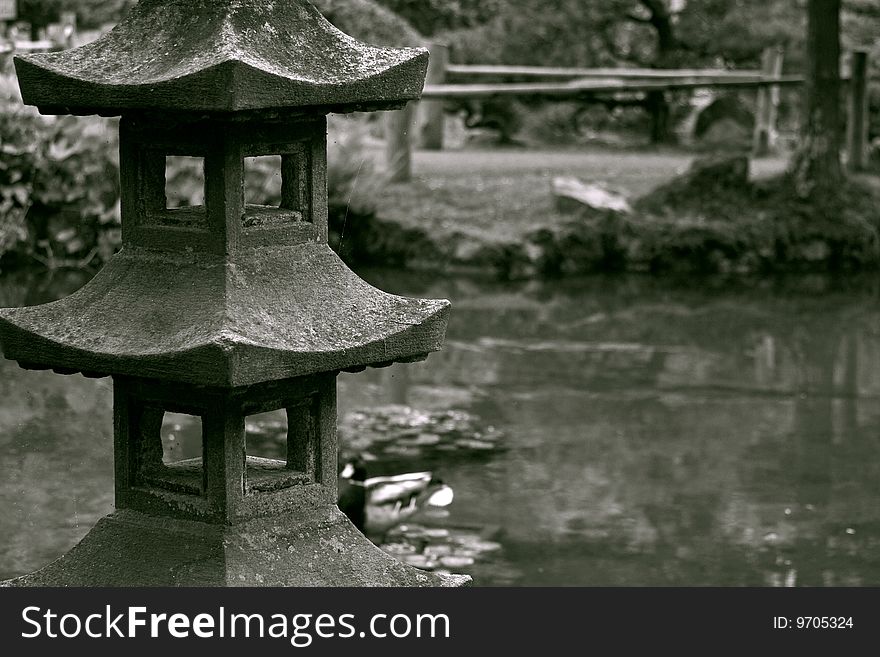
column 578, row 88
column 493, row 71
column 29, row 46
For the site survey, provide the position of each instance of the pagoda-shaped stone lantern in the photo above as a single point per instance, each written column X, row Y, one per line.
column 226, row 310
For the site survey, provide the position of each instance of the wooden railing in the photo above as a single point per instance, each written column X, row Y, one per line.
column 479, row 82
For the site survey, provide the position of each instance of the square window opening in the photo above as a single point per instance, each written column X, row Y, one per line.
column 275, row 190
column 174, row 461
column 274, row 461
column 185, row 189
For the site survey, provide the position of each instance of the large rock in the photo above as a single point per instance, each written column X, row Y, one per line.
column 574, row 195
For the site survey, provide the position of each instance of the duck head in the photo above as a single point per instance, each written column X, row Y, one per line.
column 354, row 470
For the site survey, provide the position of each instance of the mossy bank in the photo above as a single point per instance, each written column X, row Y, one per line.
column 713, row 218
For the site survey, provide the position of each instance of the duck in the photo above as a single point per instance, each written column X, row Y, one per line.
column 376, row 505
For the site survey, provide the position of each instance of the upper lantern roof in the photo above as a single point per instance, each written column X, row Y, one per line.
column 222, row 56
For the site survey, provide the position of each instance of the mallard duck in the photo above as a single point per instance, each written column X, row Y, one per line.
column 377, row 504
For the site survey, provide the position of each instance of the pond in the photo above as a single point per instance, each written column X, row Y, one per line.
column 599, row 432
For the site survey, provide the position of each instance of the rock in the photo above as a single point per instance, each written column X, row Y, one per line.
column 573, row 195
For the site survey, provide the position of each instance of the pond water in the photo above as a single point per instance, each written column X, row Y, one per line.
column 617, row 431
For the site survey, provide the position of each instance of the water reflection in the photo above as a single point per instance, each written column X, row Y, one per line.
column 656, row 434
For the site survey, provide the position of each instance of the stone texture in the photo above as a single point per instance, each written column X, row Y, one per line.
column 282, row 313
column 308, row 547
column 222, row 56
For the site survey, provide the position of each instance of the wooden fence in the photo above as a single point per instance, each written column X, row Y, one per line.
column 448, row 81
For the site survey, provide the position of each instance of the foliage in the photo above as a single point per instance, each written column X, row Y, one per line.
column 369, row 21
column 365, row 19
column 735, row 33
column 761, row 227
column 39, row 13
column 59, row 185
column 18, row 131
column 92, row 14
column 624, row 32
column 433, row 16
column 530, row 34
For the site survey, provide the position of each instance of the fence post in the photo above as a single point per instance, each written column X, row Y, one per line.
column 857, row 134
column 398, row 146
column 432, row 110
column 767, row 112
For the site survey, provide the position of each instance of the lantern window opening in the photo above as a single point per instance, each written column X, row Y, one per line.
column 179, row 470
column 281, row 448
column 184, row 194
column 184, row 182
column 277, row 185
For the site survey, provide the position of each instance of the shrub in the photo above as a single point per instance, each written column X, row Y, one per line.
column 58, row 184
column 432, row 16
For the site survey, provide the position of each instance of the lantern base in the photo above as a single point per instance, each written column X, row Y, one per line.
column 302, row 549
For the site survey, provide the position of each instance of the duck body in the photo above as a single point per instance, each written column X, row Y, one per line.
column 378, row 504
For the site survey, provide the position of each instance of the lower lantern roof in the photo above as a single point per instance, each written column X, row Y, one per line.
column 281, row 313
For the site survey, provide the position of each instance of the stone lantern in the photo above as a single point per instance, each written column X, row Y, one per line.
column 225, row 310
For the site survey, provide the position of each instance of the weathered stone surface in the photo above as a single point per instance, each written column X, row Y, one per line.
column 222, row 56
column 317, row 547
column 273, row 313
column 574, row 195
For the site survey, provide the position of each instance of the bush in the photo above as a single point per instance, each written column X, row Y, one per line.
column 432, row 16
column 91, row 14
column 370, row 22
column 58, row 184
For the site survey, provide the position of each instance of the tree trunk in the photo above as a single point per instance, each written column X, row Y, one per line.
column 816, row 167
column 656, row 102
column 658, row 108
